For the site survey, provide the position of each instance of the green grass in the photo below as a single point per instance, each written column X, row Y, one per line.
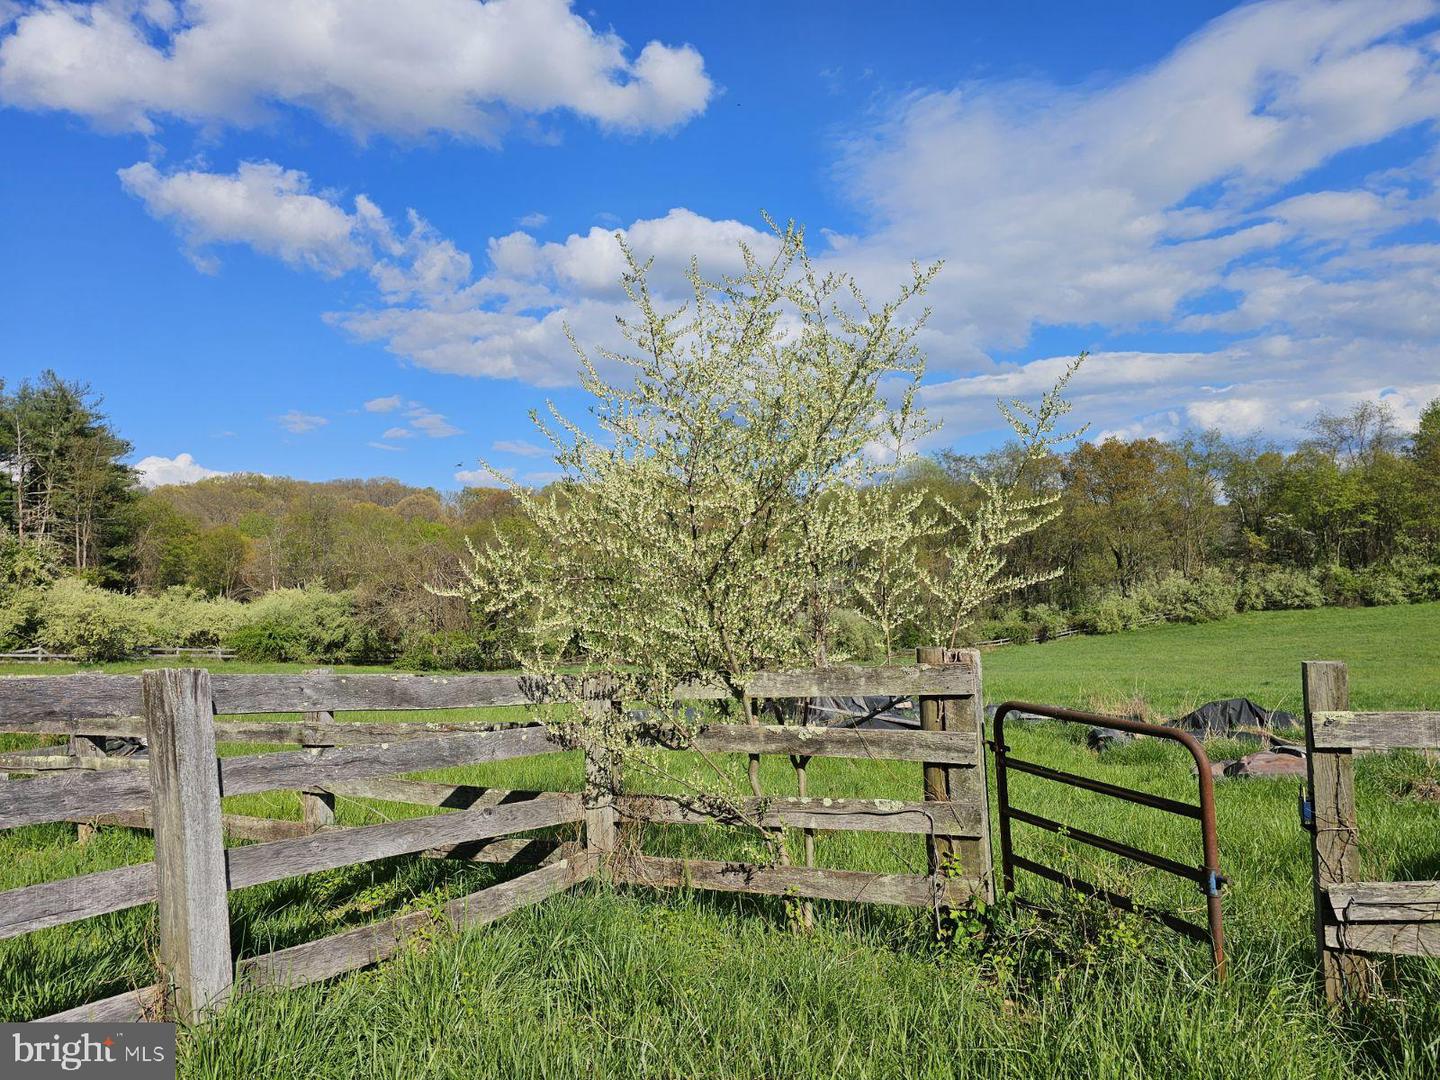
column 1393, row 654
column 631, row 983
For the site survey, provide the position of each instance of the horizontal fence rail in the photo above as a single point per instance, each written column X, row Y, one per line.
column 86, row 792
column 1375, row 730
column 35, row 907
column 90, row 697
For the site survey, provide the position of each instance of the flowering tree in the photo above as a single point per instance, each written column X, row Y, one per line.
column 729, row 495
column 704, row 530
column 973, row 571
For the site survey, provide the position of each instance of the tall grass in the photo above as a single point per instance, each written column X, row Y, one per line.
column 600, row 982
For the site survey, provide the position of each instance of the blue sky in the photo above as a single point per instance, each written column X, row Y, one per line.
column 339, row 237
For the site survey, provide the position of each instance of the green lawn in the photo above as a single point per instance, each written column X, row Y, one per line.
column 1393, row 654
column 632, row 983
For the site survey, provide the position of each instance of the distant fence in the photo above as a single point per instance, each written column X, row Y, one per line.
column 39, row 655
column 1064, row 632
column 1355, row 918
column 176, row 792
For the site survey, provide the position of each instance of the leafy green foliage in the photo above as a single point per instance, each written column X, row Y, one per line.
column 310, row 624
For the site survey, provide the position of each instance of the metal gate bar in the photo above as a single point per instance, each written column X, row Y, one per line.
column 1208, row 876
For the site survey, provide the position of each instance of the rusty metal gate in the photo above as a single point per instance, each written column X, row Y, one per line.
column 1207, row 877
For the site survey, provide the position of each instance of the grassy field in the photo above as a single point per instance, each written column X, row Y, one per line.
column 604, row 983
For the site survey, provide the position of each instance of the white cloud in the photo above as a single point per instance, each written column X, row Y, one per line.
column 534, row 220
column 385, row 446
column 156, row 470
column 299, row 423
column 364, row 66
column 518, row 446
column 1119, row 204
column 431, row 424
column 384, row 404
column 269, row 208
column 1178, row 198
column 398, row 433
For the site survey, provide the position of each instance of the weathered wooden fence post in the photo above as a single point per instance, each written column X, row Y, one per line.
column 1334, row 839
column 937, row 789
column 969, row 784
column 189, row 840
column 602, row 780
column 317, row 808
column 965, row 784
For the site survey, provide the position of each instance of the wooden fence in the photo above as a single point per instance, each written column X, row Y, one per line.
column 177, row 789
column 1355, row 919
column 38, row 654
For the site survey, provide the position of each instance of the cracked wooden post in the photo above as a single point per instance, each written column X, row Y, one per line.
column 189, row 840
column 969, row 784
column 938, row 848
column 964, row 784
column 602, row 780
column 317, row 808
column 1334, row 839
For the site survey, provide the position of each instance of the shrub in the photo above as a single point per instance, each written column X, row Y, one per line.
column 20, row 619
column 1341, row 585
column 1381, row 586
column 445, row 650
column 856, row 637
column 1418, row 576
column 307, row 624
column 1280, row 589
column 185, row 617
column 1046, row 620
column 1009, row 625
column 93, row 624
column 1112, row 613
column 1209, row 596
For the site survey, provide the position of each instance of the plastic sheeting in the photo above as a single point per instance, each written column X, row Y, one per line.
column 1232, row 717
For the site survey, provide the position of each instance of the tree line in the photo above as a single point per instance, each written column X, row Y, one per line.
column 1190, row 527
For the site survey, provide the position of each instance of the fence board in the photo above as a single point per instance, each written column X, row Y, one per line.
column 295, row 732
column 365, row 945
column 77, row 794
column 67, row 697
column 512, row 850
column 428, row 793
column 1385, row 901
column 132, row 1005
column 20, row 761
column 236, row 826
column 1376, row 730
column 54, row 903
column 941, row 747
column 35, row 907
column 863, row 815
column 908, row 890
column 1405, row 939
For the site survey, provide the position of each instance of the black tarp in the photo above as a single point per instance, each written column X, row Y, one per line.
column 1231, row 717
column 870, row 713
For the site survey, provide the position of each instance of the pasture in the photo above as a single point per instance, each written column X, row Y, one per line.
column 603, row 981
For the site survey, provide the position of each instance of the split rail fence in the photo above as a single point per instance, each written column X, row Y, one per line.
column 176, row 792
column 1355, row 919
